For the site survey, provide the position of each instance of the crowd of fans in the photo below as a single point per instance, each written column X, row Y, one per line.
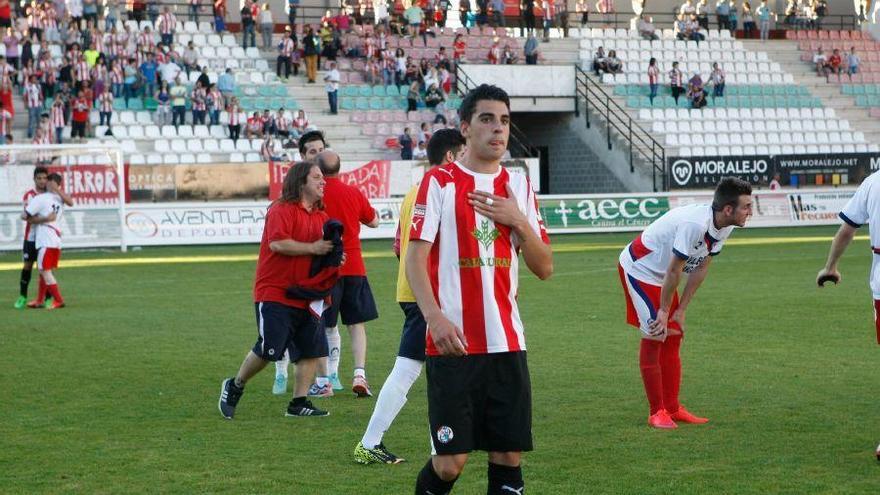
column 836, row 63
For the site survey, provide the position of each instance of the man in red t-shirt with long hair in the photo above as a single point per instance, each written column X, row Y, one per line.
column 292, row 237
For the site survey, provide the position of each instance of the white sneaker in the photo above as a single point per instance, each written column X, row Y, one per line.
column 280, row 385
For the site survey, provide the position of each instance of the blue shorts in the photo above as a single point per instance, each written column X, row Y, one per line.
column 412, row 338
column 352, row 298
column 285, row 328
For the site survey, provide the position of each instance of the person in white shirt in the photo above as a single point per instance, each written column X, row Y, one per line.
column 421, row 152
column 684, row 240
column 332, row 86
column 862, row 208
column 44, row 213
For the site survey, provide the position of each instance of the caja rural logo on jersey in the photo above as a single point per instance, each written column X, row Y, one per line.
column 486, row 236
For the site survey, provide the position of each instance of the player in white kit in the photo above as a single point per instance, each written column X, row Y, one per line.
column 683, row 240
column 862, row 208
column 44, row 213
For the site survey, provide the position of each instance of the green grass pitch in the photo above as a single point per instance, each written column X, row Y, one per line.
column 117, row 393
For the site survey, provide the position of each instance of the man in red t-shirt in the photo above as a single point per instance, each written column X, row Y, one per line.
column 470, row 221
column 79, row 117
column 834, row 61
column 351, row 297
column 292, row 237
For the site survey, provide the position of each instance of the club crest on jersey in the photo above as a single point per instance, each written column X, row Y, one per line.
column 485, row 235
column 445, row 434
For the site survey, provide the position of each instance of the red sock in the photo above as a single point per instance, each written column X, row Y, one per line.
column 670, row 363
column 55, row 293
column 649, row 362
column 41, row 291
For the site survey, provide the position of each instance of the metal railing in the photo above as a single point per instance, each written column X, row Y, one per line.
column 641, row 144
column 519, row 144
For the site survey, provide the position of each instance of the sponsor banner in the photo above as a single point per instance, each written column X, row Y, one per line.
column 373, row 178
column 572, row 213
column 152, row 182
column 839, row 169
column 817, row 208
column 91, row 184
column 81, row 227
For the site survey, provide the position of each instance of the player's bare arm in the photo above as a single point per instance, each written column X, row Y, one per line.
column 37, row 220
column 841, row 241
column 289, row 247
column 694, row 280
column 448, row 338
column 670, row 284
column 537, row 255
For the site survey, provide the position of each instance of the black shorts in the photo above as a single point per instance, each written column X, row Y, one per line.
column 284, row 328
column 352, row 298
column 412, row 338
column 479, row 402
column 29, row 251
column 78, row 129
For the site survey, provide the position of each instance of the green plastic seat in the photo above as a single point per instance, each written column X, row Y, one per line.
column 119, row 104
column 632, row 101
column 376, row 103
column 871, row 89
column 280, row 91
column 346, row 104
column 362, row 104
column 151, row 104
column 365, row 91
column 378, row 90
column 135, row 104
column 621, row 90
column 291, row 104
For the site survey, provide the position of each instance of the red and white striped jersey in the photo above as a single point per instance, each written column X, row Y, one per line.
column 653, row 74
column 687, row 232
column 234, row 116
column 47, row 66
column 50, row 17
column 146, row 39
column 282, row 123
column 29, row 231
column 116, row 75
column 33, row 95
column 287, row 47
column 35, row 19
column 99, row 72
column 473, row 267
column 5, row 122
column 199, row 100
column 167, row 23
column 56, row 115
column 81, row 71
column 105, row 100
column 47, row 234
column 215, row 99
column 675, row 78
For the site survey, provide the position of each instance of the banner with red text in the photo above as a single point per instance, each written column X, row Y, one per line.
column 92, row 184
column 373, row 179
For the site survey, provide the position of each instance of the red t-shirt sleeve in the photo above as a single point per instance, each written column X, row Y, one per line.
column 279, row 225
column 367, row 212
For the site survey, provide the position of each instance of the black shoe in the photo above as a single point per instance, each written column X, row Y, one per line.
column 305, row 409
column 229, row 396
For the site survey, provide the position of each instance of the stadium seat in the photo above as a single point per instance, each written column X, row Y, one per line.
column 187, row 158
column 236, row 157
column 178, row 145
column 185, row 131
column 154, row 159
column 227, row 146
column 210, row 146
column 170, row 159
column 203, row 158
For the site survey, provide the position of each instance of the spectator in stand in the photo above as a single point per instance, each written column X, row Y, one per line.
column 820, row 61
column 405, row 142
column 79, row 117
column 105, row 108
column 560, row 16
column 509, row 55
column 414, row 16
column 653, row 79
column 421, row 153
column 494, row 54
column 547, row 16
column 613, row 65
column 152, row 10
column 582, row 7
column 269, row 150
column 199, row 102
column 190, row 58
column 696, row 91
column 56, row 118
column 235, row 118
column 219, row 8
column 764, row 14
column 267, row 26
column 311, row 48
column 12, row 50
column 412, row 97
column 675, row 82
column 214, row 102
column 292, row 5
column 606, row 8
column 5, row 22
column 373, row 71
column 722, row 14
column 599, row 61
column 646, row 28
column 748, row 21
column 693, row 30
column 527, row 7
column 835, row 62
column 853, row 61
column 285, row 56
column 717, row 77
column 434, row 98
column 530, row 50
column 441, row 59
column 129, row 78
column 149, row 71
column 194, row 8
column 331, row 80
column 458, row 49
column 247, row 26
column 282, row 123
column 167, row 26
column 498, row 13
column 774, row 184
column 178, row 103
column 226, row 83
column 254, row 127
column 300, row 124
column 33, row 96
column 163, row 108
column 424, row 133
column 702, row 13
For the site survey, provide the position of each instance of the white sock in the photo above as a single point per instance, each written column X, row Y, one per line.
column 360, row 372
column 281, row 366
column 391, row 399
column 334, row 343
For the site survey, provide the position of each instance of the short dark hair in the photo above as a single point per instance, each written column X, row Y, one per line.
column 442, row 141
column 55, row 177
column 480, row 93
column 308, row 138
column 40, row 170
column 728, row 192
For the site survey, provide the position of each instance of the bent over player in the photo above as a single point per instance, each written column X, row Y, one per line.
column 862, row 208
column 469, row 222
column 684, row 240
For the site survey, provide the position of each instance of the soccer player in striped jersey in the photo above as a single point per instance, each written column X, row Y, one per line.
column 863, row 208
column 29, row 248
column 44, row 214
column 445, row 146
column 470, row 221
column 684, row 240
